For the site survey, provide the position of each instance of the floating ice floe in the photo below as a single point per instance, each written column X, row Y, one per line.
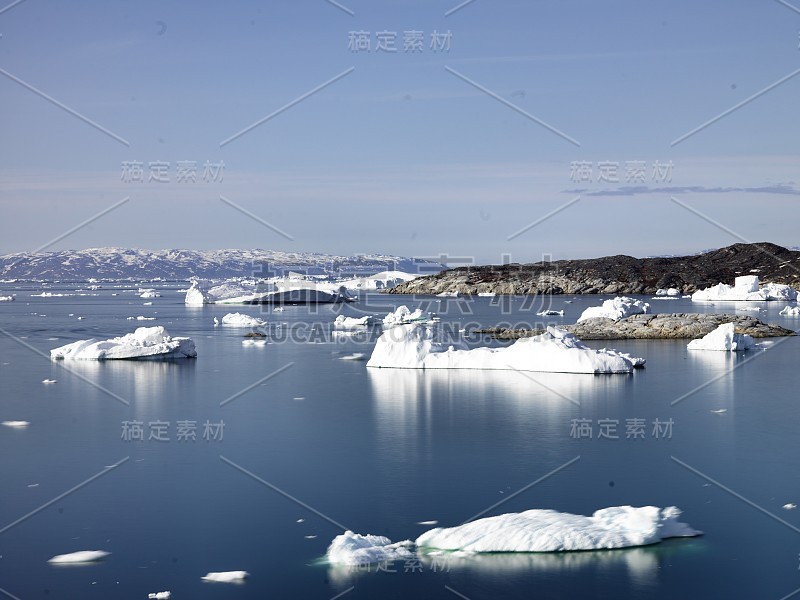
column 145, row 342
column 343, row 322
column 616, row 309
column 241, row 320
column 254, row 342
column 723, row 339
column 226, row 576
column 551, row 313
column 746, row 287
column 83, row 556
column 160, row 595
column 789, row 506
column 16, row 424
column 413, row 347
column 355, row 549
column 447, row 295
column 790, row 311
column 541, row 530
column 353, row 356
column 49, row 295
column 148, row 293
column 141, row 318
column 670, row 292
column 6, row 298
column 48, row 381
column 403, row 315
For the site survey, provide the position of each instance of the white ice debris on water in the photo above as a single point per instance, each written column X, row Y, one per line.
column 541, row 530
column 353, row 356
column 6, row 298
column 413, row 347
column 226, row 576
column 343, row 322
column 551, row 313
column 48, row 381
column 355, row 549
column 242, row 320
column 141, row 318
column 723, row 339
column 746, row 288
column 616, row 309
column 145, row 342
column 790, row 311
column 84, row 556
column 672, row 292
column 403, row 315
column 148, row 293
column 16, row 424
column 789, row 506
column 160, row 595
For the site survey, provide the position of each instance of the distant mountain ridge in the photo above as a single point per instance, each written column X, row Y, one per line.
column 128, row 263
column 618, row 274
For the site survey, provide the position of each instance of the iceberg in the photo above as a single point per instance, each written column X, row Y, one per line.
column 226, row 576
column 616, row 309
column 16, row 424
column 790, row 311
column 412, row 347
column 159, row 595
column 353, row 356
column 668, row 292
column 343, row 322
column 141, row 318
column 241, row 320
column 6, row 298
column 723, row 339
column 403, row 315
column 550, row 313
column 746, row 288
column 355, row 549
column 145, row 342
column 84, row 556
column 541, row 530
column 143, row 293
column 198, row 295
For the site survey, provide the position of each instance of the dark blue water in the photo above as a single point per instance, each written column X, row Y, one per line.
column 333, row 443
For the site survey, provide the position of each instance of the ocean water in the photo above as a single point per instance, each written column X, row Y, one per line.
column 301, row 444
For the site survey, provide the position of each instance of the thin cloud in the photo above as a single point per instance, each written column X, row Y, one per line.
column 781, row 189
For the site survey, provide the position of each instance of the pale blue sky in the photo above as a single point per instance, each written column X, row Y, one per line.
column 400, row 156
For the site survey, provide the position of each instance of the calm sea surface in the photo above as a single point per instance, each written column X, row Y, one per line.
column 292, row 442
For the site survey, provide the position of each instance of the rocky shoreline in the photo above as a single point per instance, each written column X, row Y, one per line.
column 650, row 327
column 617, row 274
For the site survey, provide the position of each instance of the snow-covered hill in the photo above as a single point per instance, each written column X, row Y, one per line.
column 123, row 263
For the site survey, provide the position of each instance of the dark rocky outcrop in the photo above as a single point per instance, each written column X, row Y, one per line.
column 618, row 274
column 649, row 326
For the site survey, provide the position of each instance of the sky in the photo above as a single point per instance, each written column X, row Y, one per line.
column 505, row 131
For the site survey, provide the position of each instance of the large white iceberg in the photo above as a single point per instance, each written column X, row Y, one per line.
column 82, row 556
column 790, row 311
column 723, row 339
column 145, row 342
column 148, row 293
column 412, row 347
column 198, row 295
column 616, row 309
column 746, row 288
column 541, row 530
column 241, row 320
column 343, row 322
column 355, row 549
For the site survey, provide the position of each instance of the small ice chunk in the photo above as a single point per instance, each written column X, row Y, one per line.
column 551, row 313
column 226, row 576
column 616, row 309
column 83, row 556
column 16, row 424
column 49, row 381
column 353, row 356
column 790, row 311
column 159, row 595
column 355, row 549
column 241, row 320
column 343, row 322
column 789, row 506
column 427, row 522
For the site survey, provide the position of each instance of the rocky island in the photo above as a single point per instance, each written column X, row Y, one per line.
column 616, row 274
